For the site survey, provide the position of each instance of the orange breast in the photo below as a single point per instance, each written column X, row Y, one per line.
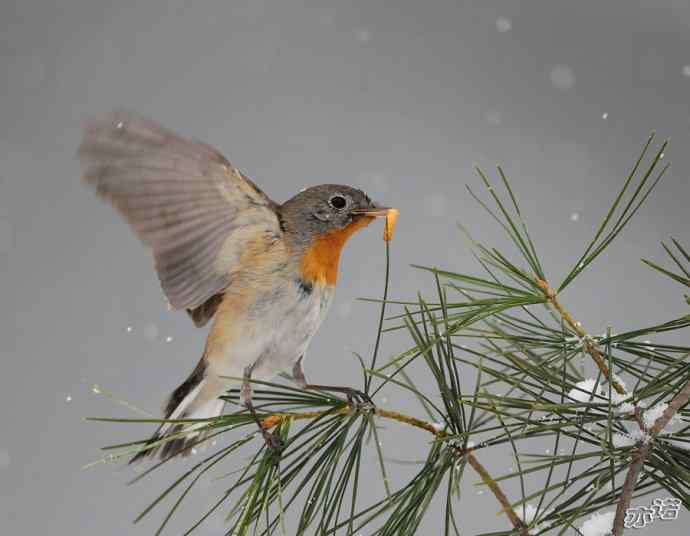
column 320, row 262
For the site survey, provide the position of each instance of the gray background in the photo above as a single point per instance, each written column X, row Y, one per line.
column 401, row 98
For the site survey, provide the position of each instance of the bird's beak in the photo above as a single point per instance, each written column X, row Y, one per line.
column 372, row 212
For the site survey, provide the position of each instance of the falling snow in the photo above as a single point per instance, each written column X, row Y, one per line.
column 68, row 398
column 575, row 216
column 130, row 329
column 562, row 77
column 168, row 339
column 493, row 117
column 362, row 35
column 503, row 24
column 686, row 71
column 605, row 115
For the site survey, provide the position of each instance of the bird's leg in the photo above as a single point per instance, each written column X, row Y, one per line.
column 273, row 442
column 354, row 396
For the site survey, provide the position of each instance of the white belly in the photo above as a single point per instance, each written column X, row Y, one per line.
column 277, row 334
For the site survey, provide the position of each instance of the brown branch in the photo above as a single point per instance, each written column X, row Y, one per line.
column 587, row 339
column 275, row 419
column 678, row 402
column 642, row 453
column 629, row 487
column 498, row 493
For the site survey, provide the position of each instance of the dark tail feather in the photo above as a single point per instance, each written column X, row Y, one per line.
column 183, row 403
column 179, row 394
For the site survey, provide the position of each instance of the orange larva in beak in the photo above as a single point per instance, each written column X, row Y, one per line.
column 391, row 219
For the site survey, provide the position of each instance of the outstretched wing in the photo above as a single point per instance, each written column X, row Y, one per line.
column 184, row 200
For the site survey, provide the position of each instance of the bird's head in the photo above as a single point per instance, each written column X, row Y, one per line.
column 328, row 209
column 319, row 220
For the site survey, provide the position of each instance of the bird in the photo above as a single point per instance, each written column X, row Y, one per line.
column 263, row 274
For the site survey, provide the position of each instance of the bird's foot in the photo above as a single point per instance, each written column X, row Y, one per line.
column 359, row 400
column 355, row 398
column 273, row 441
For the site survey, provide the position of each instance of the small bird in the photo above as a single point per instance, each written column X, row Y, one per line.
column 263, row 273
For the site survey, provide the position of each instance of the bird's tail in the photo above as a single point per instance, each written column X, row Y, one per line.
column 195, row 398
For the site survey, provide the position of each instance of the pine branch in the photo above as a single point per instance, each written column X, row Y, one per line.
column 277, row 418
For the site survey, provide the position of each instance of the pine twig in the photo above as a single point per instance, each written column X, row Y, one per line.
column 498, row 493
column 587, row 339
column 629, row 487
column 276, row 418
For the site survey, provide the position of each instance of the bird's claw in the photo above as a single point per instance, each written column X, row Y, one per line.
column 359, row 400
column 273, row 441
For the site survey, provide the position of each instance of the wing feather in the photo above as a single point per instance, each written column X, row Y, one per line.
column 183, row 199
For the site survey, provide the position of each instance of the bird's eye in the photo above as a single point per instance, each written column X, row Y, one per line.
column 338, row 202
